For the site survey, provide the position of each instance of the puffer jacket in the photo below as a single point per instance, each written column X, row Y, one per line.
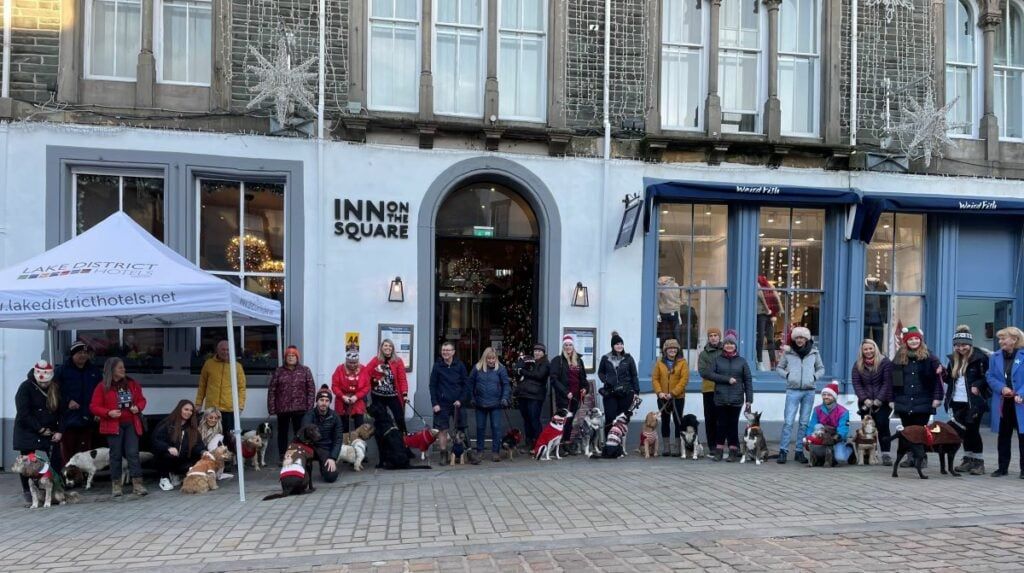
column 533, row 383
column 32, row 415
column 329, row 425
column 674, row 382
column 489, row 388
column 974, row 377
column 77, row 384
column 215, row 386
column 915, row 385
column 875, row 385
column 726, row 367
column 290, row 390
column 163, row 440
column 621, row 379
column 801, row 373
column 449, row 383
column 704, row 364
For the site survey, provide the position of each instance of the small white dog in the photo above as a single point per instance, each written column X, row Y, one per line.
column 354, row 454
column 83, row 467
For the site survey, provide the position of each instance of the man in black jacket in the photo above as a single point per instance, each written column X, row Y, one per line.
column 77, row 378
column 449, row 386
column 327, row 421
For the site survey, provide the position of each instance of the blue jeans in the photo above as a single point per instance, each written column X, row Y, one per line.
column 482, row 414
column 804, row 400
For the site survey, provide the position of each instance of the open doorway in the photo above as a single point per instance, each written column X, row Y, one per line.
column 986, row 317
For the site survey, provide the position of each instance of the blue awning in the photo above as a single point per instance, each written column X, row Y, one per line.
column 873, row 205
column 714, row 192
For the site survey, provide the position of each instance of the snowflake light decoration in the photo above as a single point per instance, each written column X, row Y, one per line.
column 281, row 82
column 891, row 6
column 924, row 132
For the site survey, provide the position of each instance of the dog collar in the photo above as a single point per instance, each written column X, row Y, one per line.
column 300, row 446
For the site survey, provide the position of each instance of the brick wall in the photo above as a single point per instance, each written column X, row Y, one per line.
column 34, row 48
column 258, row 23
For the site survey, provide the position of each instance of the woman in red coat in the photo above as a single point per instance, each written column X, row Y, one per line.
column 118, row 403
column 385, row 376
column 350, row 390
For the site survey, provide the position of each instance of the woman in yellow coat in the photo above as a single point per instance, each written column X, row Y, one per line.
column 670, row 376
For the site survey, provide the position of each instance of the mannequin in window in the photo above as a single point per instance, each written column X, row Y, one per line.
column 768, row 309
column 876, row 309
column 673, row 313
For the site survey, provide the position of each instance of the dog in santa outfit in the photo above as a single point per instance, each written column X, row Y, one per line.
column 551, row 436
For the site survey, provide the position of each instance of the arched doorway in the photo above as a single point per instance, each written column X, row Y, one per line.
column 487, row 271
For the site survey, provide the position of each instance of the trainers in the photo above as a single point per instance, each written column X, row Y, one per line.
column 978, row 469
column 782, row 457
column 800, row 458
column 965, row 465
column 165, row 484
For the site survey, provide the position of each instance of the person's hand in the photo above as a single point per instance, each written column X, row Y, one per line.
column 405, row 398
column 663, row 396
column 56, row 437
column 892, row 405
column 748, row 407
column 330, row 465
column 134, row 409
column 457, row 403
column 437, row 409
column 1007, row 392
column 173, row 452
column 940, row 370
column 878, row 403
column 114, row 413
column 504, row 403
column 45, row 431
column 935, row 403
column 732, row 381
column 72, row 405
column 975, row 391
column 1018, row 399
column 569, row 395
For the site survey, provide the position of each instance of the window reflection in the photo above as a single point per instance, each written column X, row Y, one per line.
column 894, row 278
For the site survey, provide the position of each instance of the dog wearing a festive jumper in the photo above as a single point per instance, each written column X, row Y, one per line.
column 459, row 450
column 295, row 476
column 614, row 442
column 939, row 437
column 202, row 476
column 510, row 442
column 551, row 436
column 421, row 440
column 43, row 482
column 821, row 446
column 692, row 447
column 649, row 436
column 865, row 442
column 355, row 452
column 753, row 447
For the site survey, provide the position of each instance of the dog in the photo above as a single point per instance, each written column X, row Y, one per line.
column 821, row 446
column 939, row 437
column 510, row 441
column 202, row 476
column 421, row 440
column 252, row 445
column 649, row 436
column 42, row 481
column 865, row 442
column 82, row 467
column 459, row 449
column 391, row 449
column 265, row 431
column 614, row 443
column 551, row 437
column 753, row 447
column 589, row 434
column 295, row 475
column 692, row 447
column 355, row 451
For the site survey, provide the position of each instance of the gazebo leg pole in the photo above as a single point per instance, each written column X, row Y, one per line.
column 49, row 344
column 280, row 345
column 233, row 369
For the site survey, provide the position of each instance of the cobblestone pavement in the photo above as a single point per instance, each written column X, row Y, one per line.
column 571, row 515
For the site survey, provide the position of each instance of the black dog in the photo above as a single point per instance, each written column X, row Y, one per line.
column 391, row 449
column 301, row 454
column 940, row 437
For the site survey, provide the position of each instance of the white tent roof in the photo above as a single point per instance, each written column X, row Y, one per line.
column 117, row 275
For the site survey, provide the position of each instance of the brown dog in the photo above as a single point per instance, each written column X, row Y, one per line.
column 202, row 477
column 42, row 481
column 865, row 440
column 939, row 437
column 649, row 437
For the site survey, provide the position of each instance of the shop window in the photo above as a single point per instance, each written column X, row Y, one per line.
column 961, row 65
column 692, row 270
column 739, row 66
column 682, row 65
column 113, row 35
column 1009, row 71
column 96, row 196
column 894, row 278
column 789, row 278
column 241, row 238
column 185, row 33
column 522, row 59
column 394, row 55
column 459, row 57
column 798, row 66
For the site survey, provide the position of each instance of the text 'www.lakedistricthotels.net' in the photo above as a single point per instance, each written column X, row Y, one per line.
column 86, row 302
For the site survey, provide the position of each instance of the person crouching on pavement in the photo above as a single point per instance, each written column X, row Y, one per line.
column 327, row 450
column 177, row 444
column 831, row 413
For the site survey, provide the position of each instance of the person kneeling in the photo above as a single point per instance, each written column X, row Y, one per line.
column 829, row 428
column 177, row 444
column 328, row 422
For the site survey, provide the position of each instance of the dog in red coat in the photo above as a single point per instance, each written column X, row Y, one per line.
column 421, row 440
column 551, row 437
column 939, row 437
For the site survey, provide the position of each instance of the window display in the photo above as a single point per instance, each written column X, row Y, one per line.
column 894, row 278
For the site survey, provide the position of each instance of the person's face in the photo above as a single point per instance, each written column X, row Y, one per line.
column 186, row 412
column 914, row 343
column 212, row 419
column 828, row 399
column 800, row 341
column 80, row 359
column 963, row 349
column 44, row 385
column 730, row 347
column 671, row 352
column 222, row 350
column 1007, row 342
column 119, row 371
column 492, row 361
column 567, row 347
column 291, row 359
column 387, row 349
column 618, row 347
column 447, row 352
column 714, row 338
column 323, row 402
column 867, row 351
column 538, row 354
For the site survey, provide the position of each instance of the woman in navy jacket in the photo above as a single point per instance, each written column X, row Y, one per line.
column 490, row 391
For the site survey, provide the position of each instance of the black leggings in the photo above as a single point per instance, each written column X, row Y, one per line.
column 671, row 413
column 397, row 407
column 728, row 418
column 914, row 419
column 972, row 431
column 613, row 406
column 167, row 464
column 1007, row 428
column 881, row 418
column 710, row 419
column 285, row 419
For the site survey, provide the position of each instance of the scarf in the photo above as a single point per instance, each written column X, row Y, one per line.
column 803, row 351
column 728, row 354
column 868, row 363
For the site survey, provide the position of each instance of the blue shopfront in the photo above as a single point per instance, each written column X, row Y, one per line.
column 845, row 263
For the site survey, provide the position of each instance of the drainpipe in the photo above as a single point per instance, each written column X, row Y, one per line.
column 5, row 89
column 853, row 73
column 321, row 266
column 606, row 168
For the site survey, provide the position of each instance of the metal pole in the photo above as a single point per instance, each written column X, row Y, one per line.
column 233, row 368
column 49, row 343
column 853, row 73
column 5, row 88
column 280, row 344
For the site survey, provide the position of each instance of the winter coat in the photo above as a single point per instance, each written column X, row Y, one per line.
column 77, row 384
column 449, row 383
column 722, row 370
column 31, row 416
column 163, row 440
column 329, row 425
column 621, row 379
column 489, row 388
column 345, row 384
column 375, row 377
column 559, row 378
column 215, row 386
column 673, row 382
column 837, row 416
column 875, row 385
column 915, row 385
column 996, row 381
column 974, row 377
column 704, row 364
column 534, row 375
column 801, row 373
column 290, row 390
column 103, row 401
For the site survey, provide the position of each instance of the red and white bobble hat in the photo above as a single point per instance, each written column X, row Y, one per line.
column 43, row 371
column 569, row 338
column 831, row 388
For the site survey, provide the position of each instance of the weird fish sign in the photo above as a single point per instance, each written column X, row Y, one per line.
column 361, row 219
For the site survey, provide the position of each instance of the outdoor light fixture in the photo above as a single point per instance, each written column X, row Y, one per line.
column 397, row 292
column 580, row 297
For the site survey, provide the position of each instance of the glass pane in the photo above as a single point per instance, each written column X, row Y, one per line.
column 710, row 245
column 959, row 84
column 909, row 253
column 740, row 25
column 520, row 72
column 965, row 35
column 260, row 343
column 797, row 87
column 264, row 227
column 806, row 250
column 407, row 9
column 798, row 26
column 675, row 249
column 175, row 46
column 533, row 15
column 200, row 43
column 101, row 52
column 686, row 316
column 876, row 318
column 127, row 39
column 143, row 350
column 447, row 11
column 445, row 70
column 906, row 311
column 95, row 199
column 469, row 88
column 681, row 93
column 472, row 12
column 1015, row 42
column 104, row 344
column 489, row 210
column 681, row 22
column 740, row 88
column 769, row 320
column 878, row 264
column 219, row 225
column 143, row 201
column 393, row 66
column 773, row 246
column 1008, row 94
column 382, row 8
column 510, row 11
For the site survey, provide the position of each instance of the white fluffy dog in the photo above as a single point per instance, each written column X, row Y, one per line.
column 354, row 454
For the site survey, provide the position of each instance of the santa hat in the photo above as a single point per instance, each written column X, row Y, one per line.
column 325, row 392
column 912, row 332
column 831, row 388
column 801, row 332
column 568, row 338
column 43, row 371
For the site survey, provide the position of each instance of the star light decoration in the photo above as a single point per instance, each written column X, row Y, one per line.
column 890, row 7
column 924, row 132
column 279, row 81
